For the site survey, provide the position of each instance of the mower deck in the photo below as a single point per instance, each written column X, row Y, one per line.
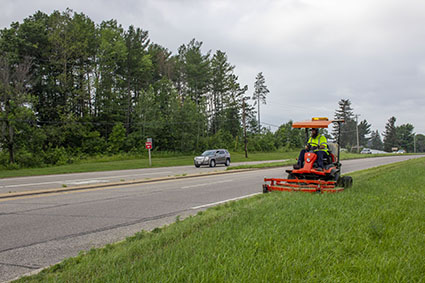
column 298, row 185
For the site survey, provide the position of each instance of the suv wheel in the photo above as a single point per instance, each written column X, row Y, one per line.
column 227, row 162
column 212, row 163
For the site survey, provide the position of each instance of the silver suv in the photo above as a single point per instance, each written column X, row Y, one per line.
column 213, row 157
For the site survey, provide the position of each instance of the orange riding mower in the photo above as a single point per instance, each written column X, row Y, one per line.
column 309, row 178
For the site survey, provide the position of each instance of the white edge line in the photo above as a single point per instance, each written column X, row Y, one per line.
column 223, row 201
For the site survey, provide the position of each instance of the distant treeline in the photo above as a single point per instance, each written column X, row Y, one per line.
column 72, row 88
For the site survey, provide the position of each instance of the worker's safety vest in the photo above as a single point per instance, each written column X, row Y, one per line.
column 318, row 141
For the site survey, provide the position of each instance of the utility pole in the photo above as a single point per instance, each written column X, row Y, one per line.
column 357, row 130
column 244, row 126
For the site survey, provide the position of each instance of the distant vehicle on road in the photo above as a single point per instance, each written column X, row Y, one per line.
column 400, row 151
column 213, row 157
column 366, row 151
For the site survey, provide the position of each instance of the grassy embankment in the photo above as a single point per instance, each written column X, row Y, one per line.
column 373, row 232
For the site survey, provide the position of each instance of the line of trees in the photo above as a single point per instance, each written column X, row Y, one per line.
column 395, row 137
column 70, row 87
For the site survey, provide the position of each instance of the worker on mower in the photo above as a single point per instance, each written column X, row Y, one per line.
column 317, row 143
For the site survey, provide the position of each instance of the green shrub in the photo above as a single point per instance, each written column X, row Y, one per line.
column 28, row 159
column 117, row 138
column 93, row 143
column 56, row 156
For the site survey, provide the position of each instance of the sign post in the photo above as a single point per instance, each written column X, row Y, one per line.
column 149, row 147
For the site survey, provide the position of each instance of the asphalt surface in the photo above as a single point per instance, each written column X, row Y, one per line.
column 41, row 230
column 22, row 184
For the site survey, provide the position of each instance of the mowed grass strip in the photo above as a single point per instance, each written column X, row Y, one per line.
column 373, row 232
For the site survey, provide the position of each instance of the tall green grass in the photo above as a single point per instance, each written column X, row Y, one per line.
column 373, row 232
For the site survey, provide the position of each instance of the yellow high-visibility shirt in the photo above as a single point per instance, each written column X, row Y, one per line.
column 318, row 141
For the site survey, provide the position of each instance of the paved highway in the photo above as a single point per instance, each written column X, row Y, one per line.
column 38, row 231
column 22, row 184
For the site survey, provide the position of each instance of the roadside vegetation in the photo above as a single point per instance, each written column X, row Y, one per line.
column 72, row 89
column 373, row 232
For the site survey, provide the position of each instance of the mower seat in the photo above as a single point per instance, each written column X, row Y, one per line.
column 329, row 159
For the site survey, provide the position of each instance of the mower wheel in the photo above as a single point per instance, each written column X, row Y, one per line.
column 265, row 190
column 348, row 182
column 340, row 181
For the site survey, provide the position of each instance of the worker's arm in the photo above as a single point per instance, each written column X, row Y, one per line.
column 323, row 142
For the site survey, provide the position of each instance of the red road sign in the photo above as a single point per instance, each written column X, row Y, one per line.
column 148, row 145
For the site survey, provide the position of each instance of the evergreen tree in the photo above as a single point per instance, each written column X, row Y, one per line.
column 348, row 128
column 110, row 78
column 137, row 70
column 260, row 94
column 375, row 141
column 222, row 81
column 196, row 74
column 390, row 135
column 364, row 131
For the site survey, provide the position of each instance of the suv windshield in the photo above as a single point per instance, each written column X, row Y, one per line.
column 208, row 152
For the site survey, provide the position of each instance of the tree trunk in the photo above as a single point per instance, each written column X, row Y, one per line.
column 10, row 146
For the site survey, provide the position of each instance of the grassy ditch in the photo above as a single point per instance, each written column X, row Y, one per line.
column 373, row 232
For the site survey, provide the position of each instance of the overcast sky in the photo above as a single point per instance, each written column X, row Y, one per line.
column 312, row 53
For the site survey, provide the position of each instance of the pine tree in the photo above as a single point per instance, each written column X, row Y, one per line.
column 260, row 93
column 375, row 141
column 364, row 131
column 348, row 128
column 390, row 135
column 222, row 79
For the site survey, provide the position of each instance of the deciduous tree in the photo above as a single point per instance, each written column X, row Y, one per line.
column 15, row 102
